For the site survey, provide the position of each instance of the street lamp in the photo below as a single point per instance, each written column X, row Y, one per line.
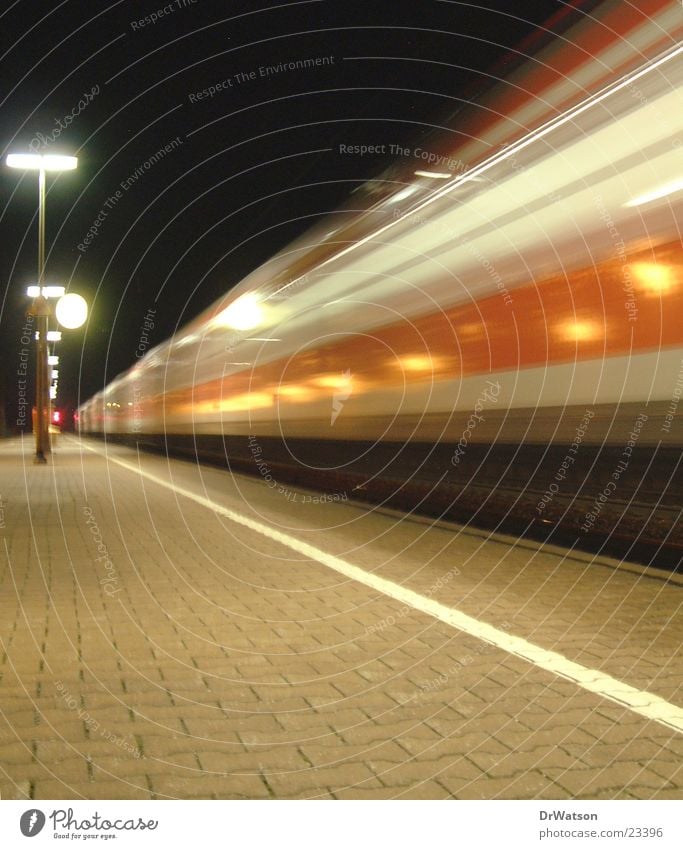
column 71, row 311
column 41, row 162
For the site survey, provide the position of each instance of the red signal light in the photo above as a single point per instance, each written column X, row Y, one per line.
column 56, row 417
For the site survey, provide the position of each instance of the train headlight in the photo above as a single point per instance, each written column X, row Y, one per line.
column 245, row 313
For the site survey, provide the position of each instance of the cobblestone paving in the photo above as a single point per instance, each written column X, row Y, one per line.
column 151, row 649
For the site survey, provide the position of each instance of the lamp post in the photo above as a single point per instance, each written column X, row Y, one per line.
column 41, row 162
column 71, row 312
column 40, row 309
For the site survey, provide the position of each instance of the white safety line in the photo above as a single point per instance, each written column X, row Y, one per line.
column 639, row 701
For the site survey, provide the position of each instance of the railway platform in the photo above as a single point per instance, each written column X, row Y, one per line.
column 175, row 631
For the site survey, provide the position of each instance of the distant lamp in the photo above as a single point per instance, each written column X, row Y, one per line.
column 54, row 336
column 71, row 311
column 53, row 291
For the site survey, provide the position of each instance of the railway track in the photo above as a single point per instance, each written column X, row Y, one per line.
column 496, row 488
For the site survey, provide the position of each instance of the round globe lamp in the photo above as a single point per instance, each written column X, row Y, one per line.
column 71, row 311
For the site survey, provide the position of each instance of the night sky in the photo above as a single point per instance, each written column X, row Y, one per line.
column 188, row 190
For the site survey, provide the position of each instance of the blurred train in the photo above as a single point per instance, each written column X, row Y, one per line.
column 518, row 288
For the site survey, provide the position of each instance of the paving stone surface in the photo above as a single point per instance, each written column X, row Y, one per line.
column 151, row 648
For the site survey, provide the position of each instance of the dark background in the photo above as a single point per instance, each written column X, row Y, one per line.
column 256, row 165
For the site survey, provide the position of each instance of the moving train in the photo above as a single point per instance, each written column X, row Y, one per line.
column 520, row 286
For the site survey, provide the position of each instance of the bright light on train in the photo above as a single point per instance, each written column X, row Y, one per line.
column 417, row 363
column 296, row 393
column 403, row 194
column 334, row 381
column 245, row 313
column 580, row 331
column 654, row 279
column 434, row 174
column 656, row 194
column 248, row 401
